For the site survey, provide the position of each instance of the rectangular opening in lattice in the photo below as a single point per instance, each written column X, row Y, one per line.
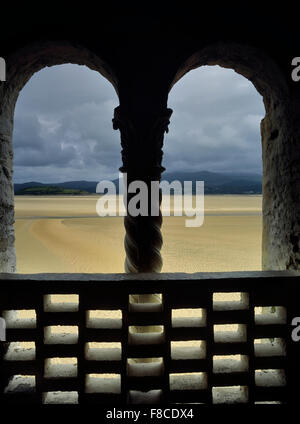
column 103, row 351
column 21, row 318
column 230, row 363
column 59, row 397
column 230, row 333
column 191, row 349
column 230, row 394
column 230, row 301
column 145, row 367
column 268, row 402
column 270, row 377
column 265, row 315
column 270, row 347
column 188, row 381
column 21, row 384
column 61, row 334
column 103, row 383
column 150, row 397
column 104, row 318
column 60, row 367
column 145, row 302
column 189, row 317
column 146, row 334
column 20, row 351
column 61, row 303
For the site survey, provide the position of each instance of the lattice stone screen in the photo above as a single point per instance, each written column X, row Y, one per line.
column 201, row 338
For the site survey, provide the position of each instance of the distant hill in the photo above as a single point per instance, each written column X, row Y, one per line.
column 49, row 190
column 220, row 183
column 84, row 187
column 214, row 183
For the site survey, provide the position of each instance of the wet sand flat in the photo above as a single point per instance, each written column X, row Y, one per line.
column 65, row 234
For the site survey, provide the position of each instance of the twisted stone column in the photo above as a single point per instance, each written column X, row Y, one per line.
column 142, row 157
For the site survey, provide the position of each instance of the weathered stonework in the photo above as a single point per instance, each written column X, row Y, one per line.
column 7, row 246
column 280, row 131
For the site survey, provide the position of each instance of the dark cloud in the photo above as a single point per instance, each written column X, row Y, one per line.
column 216, row 123
column 63, row 129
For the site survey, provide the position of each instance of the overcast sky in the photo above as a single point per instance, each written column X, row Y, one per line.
column 63, row 129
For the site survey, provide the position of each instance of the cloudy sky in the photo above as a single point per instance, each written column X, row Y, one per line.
column 63, row 129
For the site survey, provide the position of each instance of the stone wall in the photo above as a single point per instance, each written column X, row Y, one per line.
column 281, row 185
column 7, row 239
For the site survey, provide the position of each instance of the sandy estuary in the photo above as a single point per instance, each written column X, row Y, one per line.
column 65, row 234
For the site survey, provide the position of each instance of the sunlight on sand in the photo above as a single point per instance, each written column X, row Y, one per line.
column 64, row 234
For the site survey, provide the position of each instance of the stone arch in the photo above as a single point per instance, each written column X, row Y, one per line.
column 20, row 66
column 281, row 223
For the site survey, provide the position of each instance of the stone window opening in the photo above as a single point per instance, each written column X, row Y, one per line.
column 20, row 67
column 279, row 220
column 142, row 142
column 216, row 129
column 63, row 133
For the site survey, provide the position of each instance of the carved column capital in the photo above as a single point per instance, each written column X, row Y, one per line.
column 142, row 144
